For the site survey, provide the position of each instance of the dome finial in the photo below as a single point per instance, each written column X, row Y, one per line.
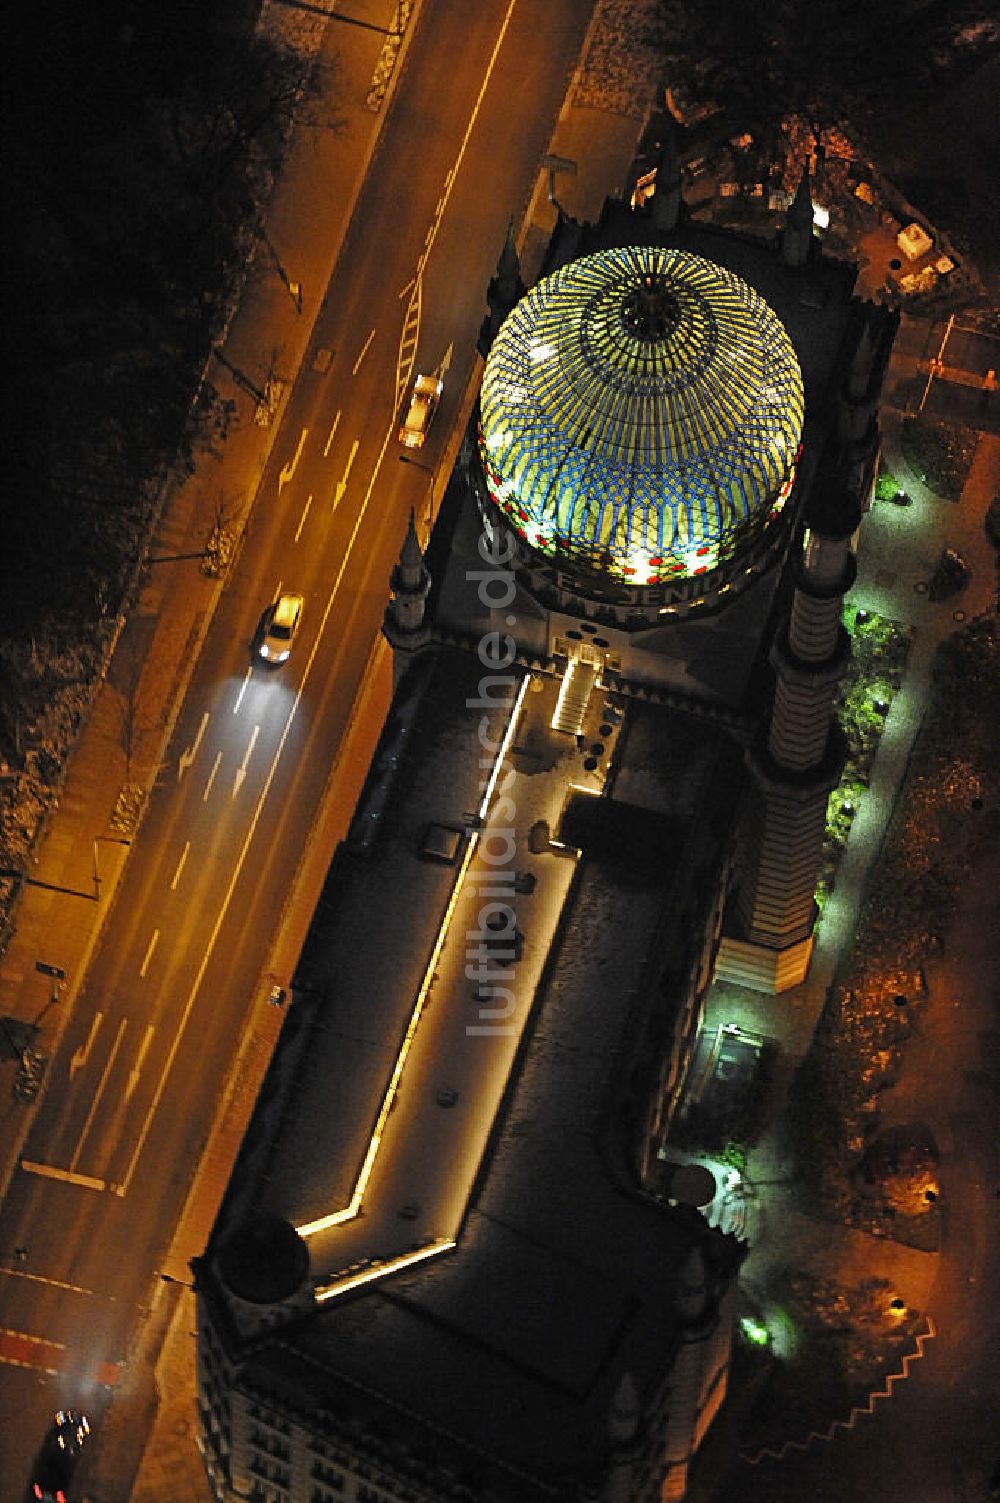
column 650, row 309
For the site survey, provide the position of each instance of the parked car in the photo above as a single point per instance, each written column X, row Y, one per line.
column 56, row 1462
column 278, row 628
column 424, row 401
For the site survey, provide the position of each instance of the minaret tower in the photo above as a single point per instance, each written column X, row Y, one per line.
column 794, row 767
column 404, row 625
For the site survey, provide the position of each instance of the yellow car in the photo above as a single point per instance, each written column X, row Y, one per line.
column 278, row 628
column 424, row 401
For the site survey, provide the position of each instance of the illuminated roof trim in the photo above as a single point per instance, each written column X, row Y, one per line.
column 345, row 1280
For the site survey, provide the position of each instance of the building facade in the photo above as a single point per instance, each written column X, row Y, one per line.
column 444, row 1267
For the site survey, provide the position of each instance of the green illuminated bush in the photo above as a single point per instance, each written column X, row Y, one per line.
column 941, row 453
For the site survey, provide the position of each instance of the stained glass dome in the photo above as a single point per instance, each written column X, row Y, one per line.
column 640, row 413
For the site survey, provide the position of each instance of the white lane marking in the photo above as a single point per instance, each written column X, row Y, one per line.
column 445, row 365
column 180, row 866
column 122, row 1188
column 100, row 1090
column 302, row 519
column 243, row 690
column 289, row 469
column 342, row 482
column 211, row 777
column 188, row 756
column 36, row 1278
column 333, row 430
column 136, row 1070
column 364, row 352
column 241, row 771
column 149, row 953
column 81, row 1055
column 408, row 339
column 406, row 354
column 49, row 1171
column 453, row 174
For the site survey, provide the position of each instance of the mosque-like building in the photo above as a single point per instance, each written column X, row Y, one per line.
column 446, row 1266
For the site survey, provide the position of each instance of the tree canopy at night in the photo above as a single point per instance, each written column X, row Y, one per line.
column 763, row 60
column 140, row 144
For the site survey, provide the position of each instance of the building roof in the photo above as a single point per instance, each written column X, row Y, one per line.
column 638, row 407
column 556, row 1276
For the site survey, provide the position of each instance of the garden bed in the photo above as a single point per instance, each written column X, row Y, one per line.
column 940, row 453
column 843, row 1343
column 858, row 1047
column 879, row 650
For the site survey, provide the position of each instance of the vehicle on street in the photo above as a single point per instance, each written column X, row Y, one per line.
column 424, row 401
column 56, row 1462
column 278, row 628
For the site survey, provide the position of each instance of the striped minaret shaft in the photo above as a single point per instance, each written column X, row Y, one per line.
column 801, row 761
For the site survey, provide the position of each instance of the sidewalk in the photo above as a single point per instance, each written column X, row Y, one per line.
column 898, row 551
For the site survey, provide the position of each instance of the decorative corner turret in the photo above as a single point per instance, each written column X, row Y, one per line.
column 404, row 625
column 667, row 206
column 798, row 241
column 505, row 291
column 624, row 1433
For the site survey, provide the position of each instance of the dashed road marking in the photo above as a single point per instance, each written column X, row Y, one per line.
column 243, row 690
column 342, row 482
column 154, row 941
column 105, row 1075
column 211, row 777
column 136, row 1070
column 333, row 430
column 180, row 866
column 364, row 351
column 302, row 519
column 241, row 771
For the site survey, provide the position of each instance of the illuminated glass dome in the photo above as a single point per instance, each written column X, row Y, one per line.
column 640, row 415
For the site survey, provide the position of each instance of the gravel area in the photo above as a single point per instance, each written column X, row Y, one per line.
column 625, row 61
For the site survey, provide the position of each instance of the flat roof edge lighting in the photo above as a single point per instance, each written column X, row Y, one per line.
column 370, row 1275
column 348, row 1212
column 504, row 746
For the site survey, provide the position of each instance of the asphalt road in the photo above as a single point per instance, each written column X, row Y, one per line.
column 135, row 1083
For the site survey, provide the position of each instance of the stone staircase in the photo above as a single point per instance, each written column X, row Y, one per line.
column 574, row 696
